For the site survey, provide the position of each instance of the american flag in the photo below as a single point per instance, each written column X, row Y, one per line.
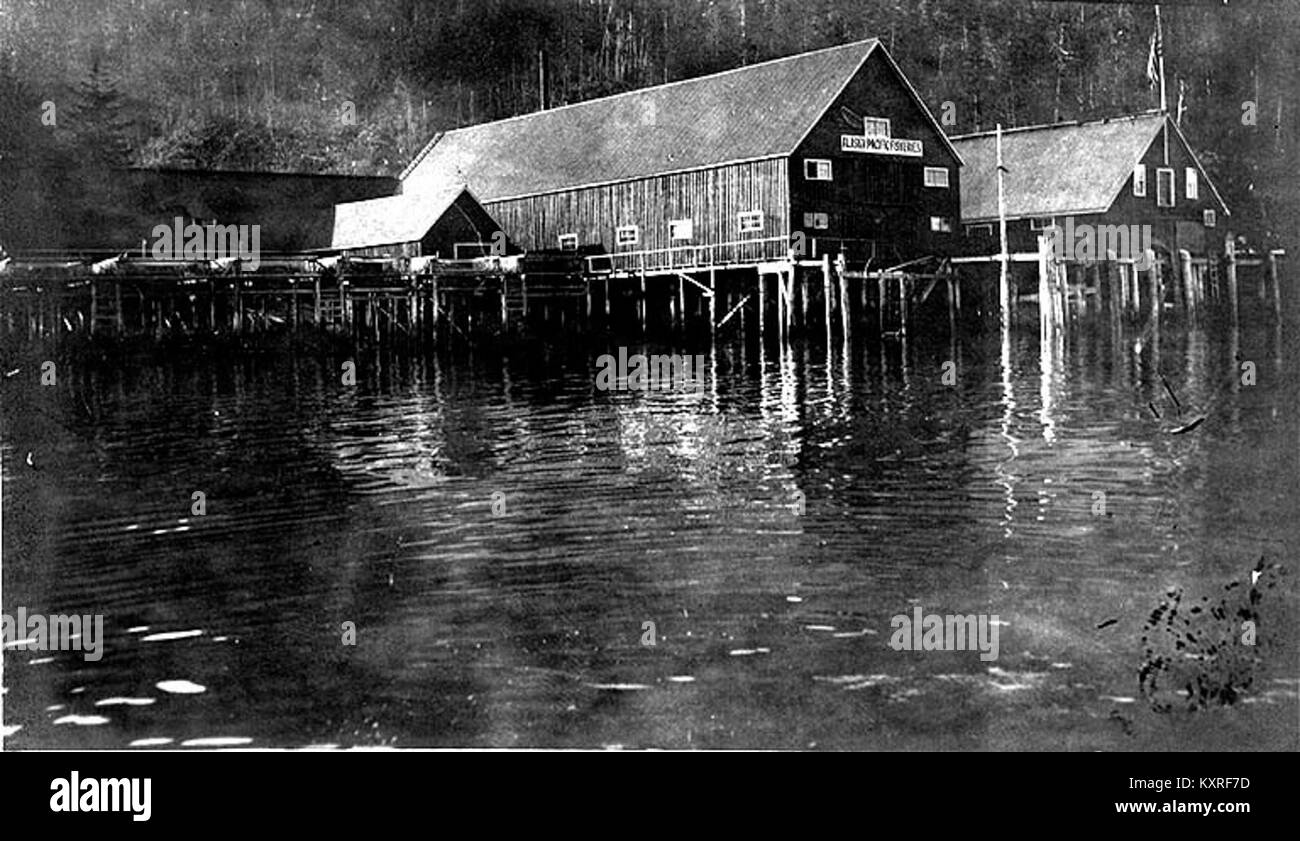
column 1157, row 51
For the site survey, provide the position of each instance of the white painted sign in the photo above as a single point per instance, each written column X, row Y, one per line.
column 881, row 145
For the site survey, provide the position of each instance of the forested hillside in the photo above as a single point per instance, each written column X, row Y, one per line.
column 358, row 86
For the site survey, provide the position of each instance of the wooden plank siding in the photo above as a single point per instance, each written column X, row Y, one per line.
column 876, row 203
column 712, row 199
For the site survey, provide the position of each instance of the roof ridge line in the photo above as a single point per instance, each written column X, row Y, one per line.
column 1062, row 124
column 663, row 85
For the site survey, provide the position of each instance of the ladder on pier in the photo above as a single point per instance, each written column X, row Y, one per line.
column 515, row 294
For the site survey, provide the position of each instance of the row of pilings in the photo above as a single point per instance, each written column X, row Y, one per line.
column 376, row 301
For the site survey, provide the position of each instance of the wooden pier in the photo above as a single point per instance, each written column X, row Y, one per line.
column 775, row 295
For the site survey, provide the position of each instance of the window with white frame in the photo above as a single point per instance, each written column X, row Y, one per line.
column 680, row 229
column 936, row 176
column 569, row 242
column 817, row 169
column 816, row 221
column 875, row 127
column 1164, row 187
column 1192, row 187
column 627, row 235
column 751, row 222
column 1207, row 216
column 1140, row 181
column 941, row 224
column 1041, row 223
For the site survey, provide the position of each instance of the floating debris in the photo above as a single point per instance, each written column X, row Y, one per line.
column 1209, row 652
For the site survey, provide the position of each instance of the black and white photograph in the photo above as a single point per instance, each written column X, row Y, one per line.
column 631, row 375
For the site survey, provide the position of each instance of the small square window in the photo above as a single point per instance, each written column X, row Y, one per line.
column 1208, row 217
column 941, row 224
column 569, row 242
column 816, row 221
column 680, row 229
column 627, row 235
column 936, row 176
column 1165, row 187
column 751, row 222
column 1192, row 189
column 817, row 169
column 1140, row 181
column 875, row 127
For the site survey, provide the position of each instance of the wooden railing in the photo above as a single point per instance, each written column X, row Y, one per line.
column 686, row 257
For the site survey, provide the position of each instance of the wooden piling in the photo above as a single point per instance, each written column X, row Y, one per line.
column 1277, row 290
column 1157, row 290
column 881, row 297
column 904, row 293
column 1230, row 256
column 713, row 301
column 952, row 307
column 826, row 292
column 845, row 315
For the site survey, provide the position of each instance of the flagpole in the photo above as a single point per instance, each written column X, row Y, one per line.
column 1160, row 61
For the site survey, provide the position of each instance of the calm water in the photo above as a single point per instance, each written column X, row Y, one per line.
column 525, row 625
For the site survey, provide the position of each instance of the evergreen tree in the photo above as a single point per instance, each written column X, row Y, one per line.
column 100, row 124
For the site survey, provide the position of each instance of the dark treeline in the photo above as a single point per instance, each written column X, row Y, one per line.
column 351, row 86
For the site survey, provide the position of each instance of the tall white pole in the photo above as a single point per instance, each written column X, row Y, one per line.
column 1160, row 62
column 1004, row 281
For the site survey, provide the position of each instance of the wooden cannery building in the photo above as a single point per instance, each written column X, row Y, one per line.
column 830, row 151
column 1136, row 170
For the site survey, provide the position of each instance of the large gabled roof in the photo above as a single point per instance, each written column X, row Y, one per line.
column 750, row 113
column 392, row 219
column 1060, row 169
